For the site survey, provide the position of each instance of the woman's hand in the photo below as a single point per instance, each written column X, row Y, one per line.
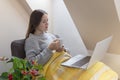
column 54, row 45
column 60, row 49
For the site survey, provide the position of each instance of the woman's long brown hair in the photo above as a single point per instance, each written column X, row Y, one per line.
column 35, row 19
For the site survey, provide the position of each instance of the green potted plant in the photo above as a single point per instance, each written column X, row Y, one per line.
column 22, row 70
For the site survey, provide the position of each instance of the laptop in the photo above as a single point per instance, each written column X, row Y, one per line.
column 84, row 62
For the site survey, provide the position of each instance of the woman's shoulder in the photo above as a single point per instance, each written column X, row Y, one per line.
column 30, row 39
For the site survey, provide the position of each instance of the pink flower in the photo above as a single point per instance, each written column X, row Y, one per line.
column 34, row 72
column 24, row 72
column 33, row 62
column 10, row 77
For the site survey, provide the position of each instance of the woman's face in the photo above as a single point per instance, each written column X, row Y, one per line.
column 43, row 26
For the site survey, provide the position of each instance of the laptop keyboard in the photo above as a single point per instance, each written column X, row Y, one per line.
column 83, row 61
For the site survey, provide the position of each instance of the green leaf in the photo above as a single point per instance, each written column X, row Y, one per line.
column 11, row 70
column 39, row 67
column 27, row 77
column 28, row 65
column 4, row 75
column 18, row 73
column 16, row 76
column 41, row 78
column 17, row 63
column 24, row 62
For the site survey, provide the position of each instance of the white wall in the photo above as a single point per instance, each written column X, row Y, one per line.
column 96, row 20
column 64, row 26
column 13, row 26
column 44, row 5
column 117, row 5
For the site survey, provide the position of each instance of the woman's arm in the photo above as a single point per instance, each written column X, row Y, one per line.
column 62, row 48
column 33, row 52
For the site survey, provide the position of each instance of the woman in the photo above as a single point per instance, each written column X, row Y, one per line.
column 39, row 45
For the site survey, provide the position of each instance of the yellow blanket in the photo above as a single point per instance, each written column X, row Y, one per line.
column 54, row 71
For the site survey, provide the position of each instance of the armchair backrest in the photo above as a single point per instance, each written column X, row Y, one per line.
column 17, row 48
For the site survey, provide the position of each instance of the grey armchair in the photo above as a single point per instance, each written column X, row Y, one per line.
column 17, row 48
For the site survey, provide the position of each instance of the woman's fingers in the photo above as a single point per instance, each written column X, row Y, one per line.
column 60, row 49
column 55, row 45
column 56, row 40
